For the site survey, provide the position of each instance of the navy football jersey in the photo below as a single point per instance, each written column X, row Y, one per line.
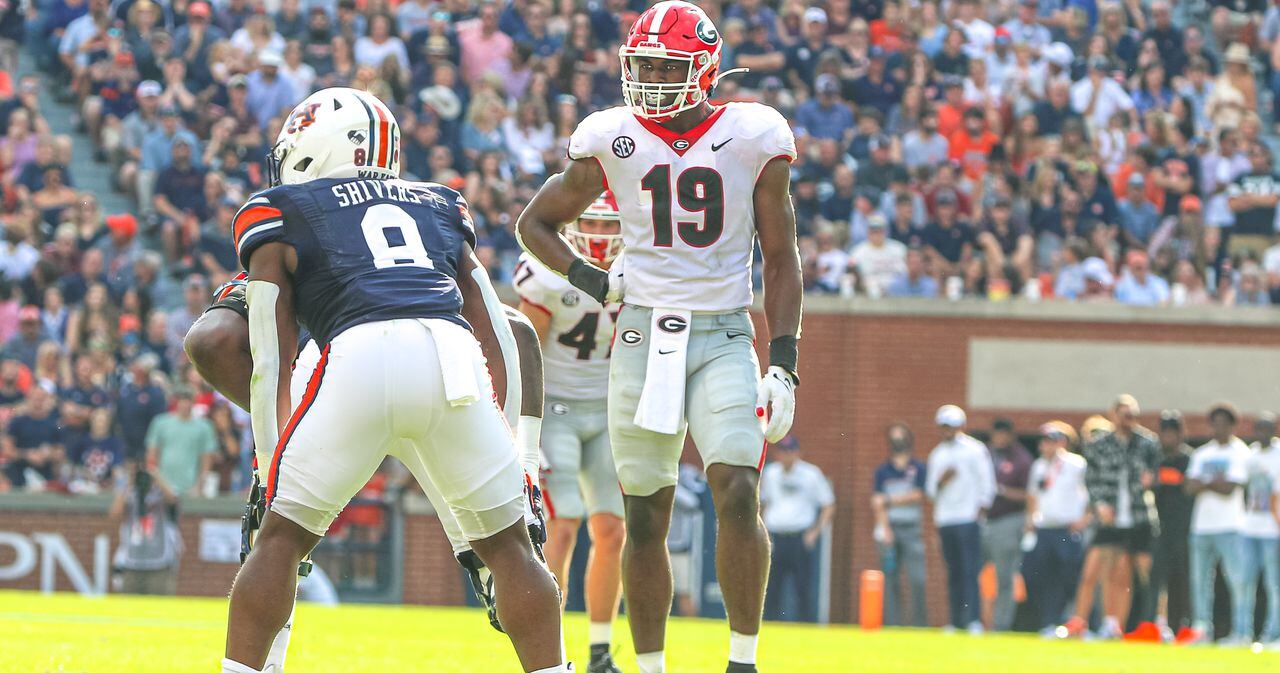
column 368, row 250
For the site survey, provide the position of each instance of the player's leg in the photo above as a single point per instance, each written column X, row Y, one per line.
column 561, row 495
column 648, row 467
column 333, row 443
column 720, row 403
column 603, row 498
column 483, row 484
column 218, row 345
column 264, row 591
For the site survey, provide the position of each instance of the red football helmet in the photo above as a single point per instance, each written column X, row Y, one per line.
column 678, row 31
column 600, row 246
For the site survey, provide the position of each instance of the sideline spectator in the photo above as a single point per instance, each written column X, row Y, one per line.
column 1006, row 518
column 1216, row 477
column 150, row 545
column 898, row 506
column 961, row 483
column 1122, row 465
column 1057, row 507
column 797, row 504
column 1169, row 579
column 182, row 446
column 1261, row 531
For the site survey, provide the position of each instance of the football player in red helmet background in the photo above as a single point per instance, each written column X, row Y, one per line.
column 696, row 185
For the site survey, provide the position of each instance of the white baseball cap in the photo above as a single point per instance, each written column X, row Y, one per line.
column 951, row 416
column 1059, row 54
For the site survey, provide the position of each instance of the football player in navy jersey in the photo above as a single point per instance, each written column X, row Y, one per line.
column 383, row 274
column 218, row 345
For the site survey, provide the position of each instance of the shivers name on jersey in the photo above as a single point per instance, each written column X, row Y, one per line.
column 356, row 192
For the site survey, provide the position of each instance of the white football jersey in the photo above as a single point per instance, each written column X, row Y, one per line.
column 575, row 356
column 688, row 221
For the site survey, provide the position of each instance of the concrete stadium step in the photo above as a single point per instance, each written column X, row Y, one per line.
column 87, row 174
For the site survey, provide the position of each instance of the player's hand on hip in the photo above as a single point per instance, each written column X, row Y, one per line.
column 776, row 395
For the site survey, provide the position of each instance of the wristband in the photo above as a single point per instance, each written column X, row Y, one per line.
column 783, row 352
column 589, row 278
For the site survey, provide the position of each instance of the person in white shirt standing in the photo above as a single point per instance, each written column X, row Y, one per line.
column 1261, row 538
column 961, row 481
column 1217, row 472
column 1057, row 514
column 798, row 503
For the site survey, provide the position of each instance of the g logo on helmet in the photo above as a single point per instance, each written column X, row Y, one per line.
column 673, row 324
column 707, row 31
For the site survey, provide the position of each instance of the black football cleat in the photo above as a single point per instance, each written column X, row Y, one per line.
column 735, row 667
column 602, row 661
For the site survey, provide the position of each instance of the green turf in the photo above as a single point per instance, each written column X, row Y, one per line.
column 69, row 634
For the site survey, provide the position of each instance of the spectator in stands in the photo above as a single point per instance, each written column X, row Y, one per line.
column 182, row 446
column 38, row 441
column 797, row 505
column 1260, row 533
column 948, row 239
column 1253, row 197
column 913, row 281
column 825, row 115
column 924, row 146
column 897, row 502
column 484, row 48
column 879, row 260
column 1138, row 286
column 1057, row 516
column 140, row 401
column 1169, row 580
column 1006, row 517
column 150, row 544
column 180, row 199
column 97, row 456
column 31, row 335
column 1216, row 477
column 1122, row 466
column 268, row 93
column 961, row 482
column 1138, row 217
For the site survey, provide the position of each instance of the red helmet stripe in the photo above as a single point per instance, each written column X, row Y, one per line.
column 384, row 130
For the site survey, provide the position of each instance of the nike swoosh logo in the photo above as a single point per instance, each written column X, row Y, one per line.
column 716, row 148
column 736, row 334
column 662, row 352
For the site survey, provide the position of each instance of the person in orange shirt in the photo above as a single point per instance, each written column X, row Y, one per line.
column 951, row 111
column 971, row 144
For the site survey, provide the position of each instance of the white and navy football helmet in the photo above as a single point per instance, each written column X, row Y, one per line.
column 336, row 133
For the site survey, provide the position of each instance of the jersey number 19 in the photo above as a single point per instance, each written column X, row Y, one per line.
column 698, row 189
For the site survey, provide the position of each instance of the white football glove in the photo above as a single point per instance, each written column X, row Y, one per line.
column 616, row 285
column 776, row 393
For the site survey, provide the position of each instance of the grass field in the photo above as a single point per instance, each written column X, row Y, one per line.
column 69, row 634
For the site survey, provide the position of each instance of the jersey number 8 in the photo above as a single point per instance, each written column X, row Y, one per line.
column 393, row 237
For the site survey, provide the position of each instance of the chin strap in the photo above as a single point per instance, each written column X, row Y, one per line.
column 731, row 71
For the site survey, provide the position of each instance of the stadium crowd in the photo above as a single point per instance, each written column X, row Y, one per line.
column 1100, row 151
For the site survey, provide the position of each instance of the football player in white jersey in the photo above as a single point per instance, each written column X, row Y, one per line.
column 579, row 481
column 696, row 185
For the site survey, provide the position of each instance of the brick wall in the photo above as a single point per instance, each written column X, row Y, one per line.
column 431, row 576
column 864, row 368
